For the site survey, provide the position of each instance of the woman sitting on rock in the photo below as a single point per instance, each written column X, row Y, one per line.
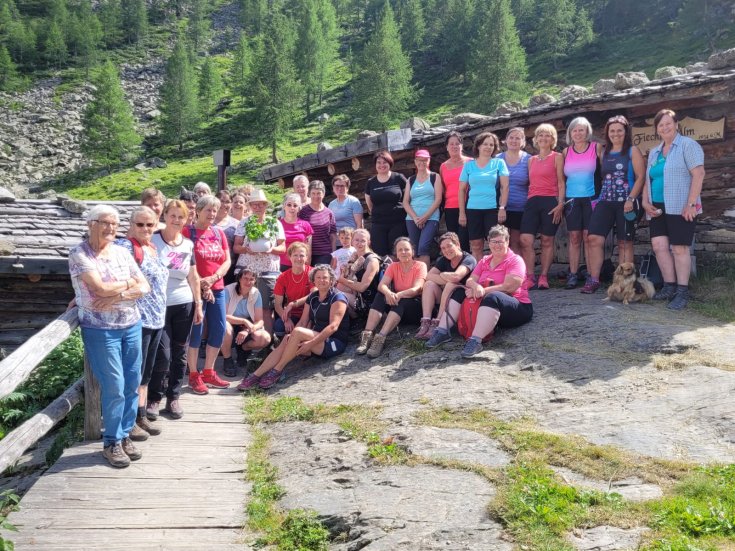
column 451, row 269
column 360, row 281
column 496, row 280
column 322, row 331
column 398, row 296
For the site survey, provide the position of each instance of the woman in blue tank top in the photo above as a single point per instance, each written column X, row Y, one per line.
column 623, row 171
column 421, row 201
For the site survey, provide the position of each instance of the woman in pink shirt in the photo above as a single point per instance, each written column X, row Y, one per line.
column 450, row 171
column 399, row 296
column 498, row 281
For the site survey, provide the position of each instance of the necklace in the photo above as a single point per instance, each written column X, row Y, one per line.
column 293, row 278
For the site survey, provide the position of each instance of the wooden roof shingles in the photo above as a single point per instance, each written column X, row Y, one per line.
column 37, row 234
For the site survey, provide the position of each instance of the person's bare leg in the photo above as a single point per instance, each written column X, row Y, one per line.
column 664, row 258
column 575, row 243
column 487, row 319
column 527, row 252
column 547, row 253
column 429, row 296
column 596, row 255
column 682, row 263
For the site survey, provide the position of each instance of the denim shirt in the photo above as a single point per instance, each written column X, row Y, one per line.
column 684, row 155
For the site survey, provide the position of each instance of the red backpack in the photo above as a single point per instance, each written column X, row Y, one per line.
column 468, row 318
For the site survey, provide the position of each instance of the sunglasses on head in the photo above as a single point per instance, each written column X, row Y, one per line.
column 145, row 224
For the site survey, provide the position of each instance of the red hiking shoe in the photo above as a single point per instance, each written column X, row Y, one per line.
column 196, row 384
column 210, row 378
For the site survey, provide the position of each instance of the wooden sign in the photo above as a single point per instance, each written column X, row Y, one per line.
column 645, row 137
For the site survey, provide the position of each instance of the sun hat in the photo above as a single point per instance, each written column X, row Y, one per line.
column 257, row 196
column 423, row 154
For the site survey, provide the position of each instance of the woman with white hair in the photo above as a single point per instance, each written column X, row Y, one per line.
column 107, row 282
column 322, row 331
column 580, row 162
column 212, row 258
column 202, row 189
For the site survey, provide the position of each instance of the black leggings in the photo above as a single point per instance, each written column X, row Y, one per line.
column 150, row 341
column 408, row 309
column 171, row 355
column 382, row 236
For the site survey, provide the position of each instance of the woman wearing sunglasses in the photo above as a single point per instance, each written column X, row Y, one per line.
column 152, row 307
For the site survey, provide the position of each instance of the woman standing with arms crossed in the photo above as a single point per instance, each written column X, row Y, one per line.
column 671, row 198
column 183, row 307
column 546, row 192
column 516, row 159
column 580, row 162
column 478, row 190
column 623, row 169
column 384, row 199
column 450, row 171
column 212, row 257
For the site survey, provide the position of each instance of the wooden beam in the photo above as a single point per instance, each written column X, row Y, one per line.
column 34, row 265
column 17, row 441
column 92, row 404
column 18, row 366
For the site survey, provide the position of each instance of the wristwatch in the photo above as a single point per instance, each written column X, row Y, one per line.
column 693, row 205
column 501, row 207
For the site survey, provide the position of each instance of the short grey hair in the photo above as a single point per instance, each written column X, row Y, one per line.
column 293, row 196
column 202, row 186
column 207, row 201
column 299, row 178
column 577, row 122
column 142, row 209
column 318, row 185
column 103, row 210
column 326, row 268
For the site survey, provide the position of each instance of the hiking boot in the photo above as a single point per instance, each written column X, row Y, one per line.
column 376, row 347
column 147, row 426
column 365, row 339
column 425, row 329
column 680, row 300
column 212, row 380
column 251, row 381
column 542, row 283
column 116, row 456
column 151, row 409
column 269, row 379
column 471, row 348
column 196, row 384
column 572, row 281
column 138, row 434
column 228, row 365
column 590, row 287
column 173, row 407
column 130, row 450
column 440, row 336
column 667, row 292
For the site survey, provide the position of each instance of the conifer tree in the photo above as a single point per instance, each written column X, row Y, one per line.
column 413, row 27
column 134, row 20
column 276, row 90
column 55, row 50
column 253, row 14
column 109, row 128
column 239, row 80
column 455, row 34
column 110, row 15
column 21, row 42
column 210, row 87
column 497, row 67
column 179, row 106
column 317, row 47
column 562, row 26
column 198, row 25
column 382, row 86
column 8, row 74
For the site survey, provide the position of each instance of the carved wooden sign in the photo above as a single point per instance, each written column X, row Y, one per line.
column 645, row 137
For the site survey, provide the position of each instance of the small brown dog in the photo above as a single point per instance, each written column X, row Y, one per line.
column 628, row 287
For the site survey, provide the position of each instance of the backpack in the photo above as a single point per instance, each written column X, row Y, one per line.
column 138, row 254
column 468, row 318
column 649, row 269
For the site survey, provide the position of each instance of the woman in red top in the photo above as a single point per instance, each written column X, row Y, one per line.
column 450, row 171
column 291, row 290
column 212, row 257
column 401, row 300
column 546, row 192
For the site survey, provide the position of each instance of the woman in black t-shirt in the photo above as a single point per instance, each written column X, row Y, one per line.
column 384, row 199
column 451, row 270
column 322, row 331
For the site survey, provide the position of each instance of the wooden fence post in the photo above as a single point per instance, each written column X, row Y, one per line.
column 92, row 406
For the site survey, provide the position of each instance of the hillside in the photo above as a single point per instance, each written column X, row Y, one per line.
column 42, row 130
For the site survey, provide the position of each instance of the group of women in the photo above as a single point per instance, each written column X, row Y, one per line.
column 147, row 303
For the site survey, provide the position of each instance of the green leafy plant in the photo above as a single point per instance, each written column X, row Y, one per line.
column 8, row 503
column 302, row 531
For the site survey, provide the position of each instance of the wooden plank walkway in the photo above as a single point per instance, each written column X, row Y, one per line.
column 187, row 492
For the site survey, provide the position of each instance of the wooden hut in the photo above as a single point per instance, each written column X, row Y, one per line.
column 705, row 100
column 35, row 239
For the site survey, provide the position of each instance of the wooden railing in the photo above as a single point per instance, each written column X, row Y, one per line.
column 17, row 367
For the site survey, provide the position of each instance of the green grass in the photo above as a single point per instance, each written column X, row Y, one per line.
column 713, row 287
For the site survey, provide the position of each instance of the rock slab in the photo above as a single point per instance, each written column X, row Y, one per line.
column 453, row 444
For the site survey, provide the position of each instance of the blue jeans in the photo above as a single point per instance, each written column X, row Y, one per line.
column 214, row 314
column 115, row 356
column 421, row 238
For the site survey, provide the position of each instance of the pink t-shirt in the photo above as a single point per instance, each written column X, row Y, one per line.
column 300, row 230
column 402, row 281
column 450, row 181
column 511, row 264
column 542, row 176
column 210, row 251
